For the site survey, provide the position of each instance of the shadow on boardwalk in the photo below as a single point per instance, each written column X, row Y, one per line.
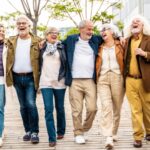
column 14, row 130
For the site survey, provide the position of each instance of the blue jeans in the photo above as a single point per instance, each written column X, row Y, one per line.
column 59, row 94
column 2, row 104
column 26, row 92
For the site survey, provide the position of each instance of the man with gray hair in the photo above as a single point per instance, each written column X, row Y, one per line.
column 137, row 77
column 22, row 71
column 81, row 51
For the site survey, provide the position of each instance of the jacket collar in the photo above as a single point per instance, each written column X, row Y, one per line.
column 13, row 40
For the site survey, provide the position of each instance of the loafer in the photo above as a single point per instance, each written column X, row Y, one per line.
column 59, row 137
column 52, row 144
column 147, row 137
column 137, row 143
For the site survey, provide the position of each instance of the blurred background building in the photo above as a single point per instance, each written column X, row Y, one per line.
column 132, row 8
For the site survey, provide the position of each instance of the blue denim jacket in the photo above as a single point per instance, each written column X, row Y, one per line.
column 69, row 45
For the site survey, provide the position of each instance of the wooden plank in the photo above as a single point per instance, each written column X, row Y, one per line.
column 14, row 130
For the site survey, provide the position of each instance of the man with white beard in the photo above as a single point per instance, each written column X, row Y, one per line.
column 22, row 71
column 137, row 77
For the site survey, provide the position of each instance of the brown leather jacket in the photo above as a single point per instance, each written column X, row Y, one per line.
column 119, row 55
column 144, row 63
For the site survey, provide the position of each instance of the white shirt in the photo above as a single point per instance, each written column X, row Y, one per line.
column 50, row 72
column 83, row 60
column 109, row 61
column 22, row 56
column 2, row 80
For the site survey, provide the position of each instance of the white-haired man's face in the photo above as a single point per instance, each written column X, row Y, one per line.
column 23, row 27
column 87, row 31
column 137, row 26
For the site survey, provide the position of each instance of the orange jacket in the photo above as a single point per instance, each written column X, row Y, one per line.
column 119, row 55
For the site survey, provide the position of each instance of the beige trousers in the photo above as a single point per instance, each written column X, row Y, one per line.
column 83, row 90
column 111, row 93
column 139, row 101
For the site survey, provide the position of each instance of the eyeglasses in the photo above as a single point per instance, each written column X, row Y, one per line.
column 57, row 33
column 104, row 29
column 23, row 23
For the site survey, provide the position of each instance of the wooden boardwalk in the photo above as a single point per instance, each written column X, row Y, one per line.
column 14, row 130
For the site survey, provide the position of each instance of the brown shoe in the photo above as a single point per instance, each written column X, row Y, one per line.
column 137, row 143
column 59, row 137
column 147, row 137
column 52, row 144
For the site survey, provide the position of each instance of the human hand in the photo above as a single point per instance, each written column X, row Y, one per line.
column 122, row 41
column 139, row 51
column 41, row 44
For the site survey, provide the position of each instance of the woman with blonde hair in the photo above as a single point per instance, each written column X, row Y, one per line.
column 109, row 71
column 53, row 69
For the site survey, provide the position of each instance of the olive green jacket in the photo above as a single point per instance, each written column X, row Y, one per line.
column 34, row 56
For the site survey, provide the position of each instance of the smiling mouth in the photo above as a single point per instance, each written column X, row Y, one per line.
column 54, row 38
column 135, row 26
column 104, row 35
column 22, row 29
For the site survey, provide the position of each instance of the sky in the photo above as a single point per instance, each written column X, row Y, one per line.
column 7, row 8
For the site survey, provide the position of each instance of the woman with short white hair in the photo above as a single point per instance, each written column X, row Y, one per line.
column 53, row 71
column 109, row 71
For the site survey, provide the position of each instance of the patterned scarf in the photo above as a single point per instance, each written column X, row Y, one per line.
column 51, row 48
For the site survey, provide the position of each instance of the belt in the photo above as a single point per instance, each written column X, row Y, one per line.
column 135, row 76
column 23, row 73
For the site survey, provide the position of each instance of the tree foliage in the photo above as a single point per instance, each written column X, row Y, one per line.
column 74, row 10
column 77, row 10
column 32, row 9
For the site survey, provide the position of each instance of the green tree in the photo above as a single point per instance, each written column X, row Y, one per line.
column 9, row 20
column 32, row 9
column 75, row 10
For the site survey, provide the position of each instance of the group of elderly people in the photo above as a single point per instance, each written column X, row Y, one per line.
column 95, row 67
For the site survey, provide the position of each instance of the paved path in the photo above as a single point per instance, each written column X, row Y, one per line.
column 14, row 130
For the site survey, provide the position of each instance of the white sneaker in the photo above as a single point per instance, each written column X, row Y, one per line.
column 109, row 143
column 1, row 142
column 3, row 135
column 115, row 138
column 86, row 136
column 79, row 139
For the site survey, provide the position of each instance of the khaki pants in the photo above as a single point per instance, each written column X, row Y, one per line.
column 80, row 90
column 111, row 93
column 139, row 101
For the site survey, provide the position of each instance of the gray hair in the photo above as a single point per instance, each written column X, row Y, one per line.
column 50, row 29
column 25, row 18
column 113, row 28
column 83, row 23
column 146, row 26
